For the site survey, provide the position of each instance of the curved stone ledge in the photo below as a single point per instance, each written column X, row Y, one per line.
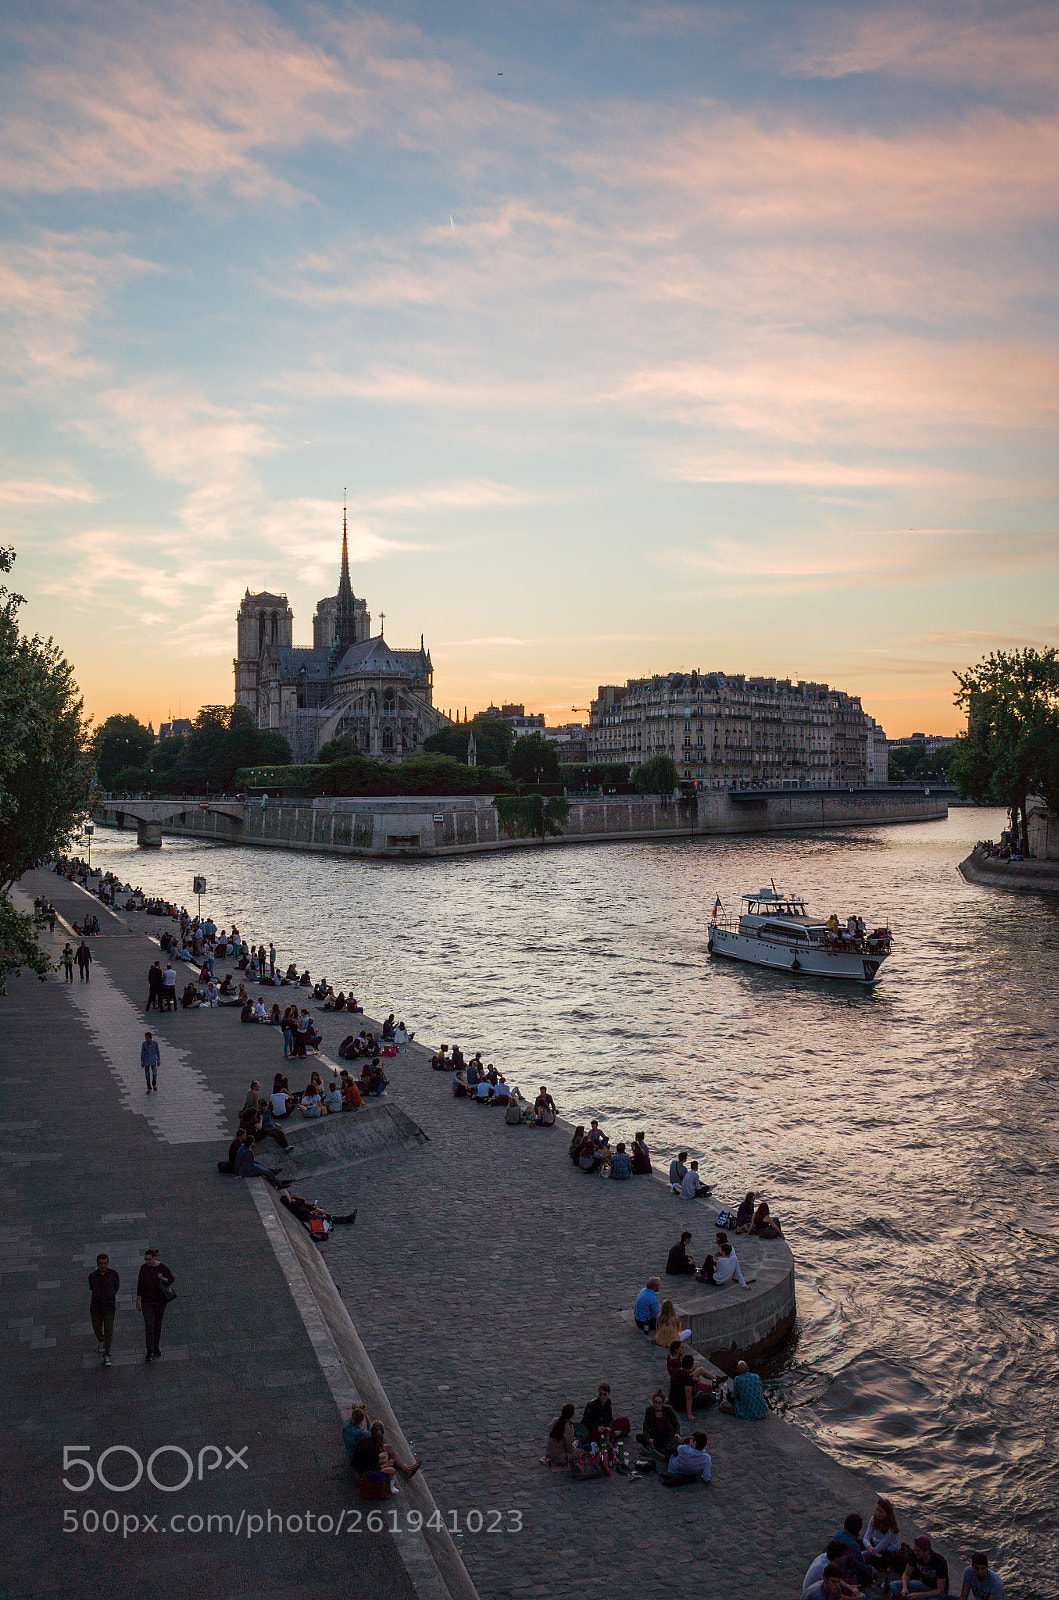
column 1036, row 877
column 731, row 1324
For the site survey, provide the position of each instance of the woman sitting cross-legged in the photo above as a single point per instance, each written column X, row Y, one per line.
column 668, row 1326
column 559, row 1451
column 599, row 1415
column 661, row 1431
column 620, row 1164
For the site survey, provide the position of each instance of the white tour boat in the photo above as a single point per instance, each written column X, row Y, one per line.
column 775, row 930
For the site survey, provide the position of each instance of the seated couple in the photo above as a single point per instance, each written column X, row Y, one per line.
column 686, row 1461
column 685, row 1181
column 565, row 1436
column 341, row 1002
column 723, row 1268
column 691, row 1387
column 368, row 1451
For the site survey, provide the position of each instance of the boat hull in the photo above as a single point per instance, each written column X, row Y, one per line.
column 851, row 966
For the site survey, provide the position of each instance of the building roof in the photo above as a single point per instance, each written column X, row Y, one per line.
column 374, row 657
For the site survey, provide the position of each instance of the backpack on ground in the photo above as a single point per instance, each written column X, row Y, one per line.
column 585, row 1465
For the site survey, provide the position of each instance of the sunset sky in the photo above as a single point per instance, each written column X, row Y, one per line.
column 645, row 336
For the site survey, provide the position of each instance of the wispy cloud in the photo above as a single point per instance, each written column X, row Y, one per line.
column 44, row 491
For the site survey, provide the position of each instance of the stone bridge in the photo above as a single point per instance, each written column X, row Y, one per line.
column 149, row 815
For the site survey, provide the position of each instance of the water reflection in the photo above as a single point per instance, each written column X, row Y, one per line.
column 904, row 1134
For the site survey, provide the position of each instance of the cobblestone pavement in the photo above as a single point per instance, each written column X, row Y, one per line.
column 491, row 1282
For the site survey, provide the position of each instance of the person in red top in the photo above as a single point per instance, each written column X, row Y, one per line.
column 150, row 1301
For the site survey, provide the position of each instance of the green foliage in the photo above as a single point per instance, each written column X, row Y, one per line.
column 1011, row 747
column 45, row 770
column 534, row 760
column 18, row 943
column 492, row 740
column 610, row 776
column 131, row 780
column 121, row 741
column 657, row 776
column 914, row 763
column 531, row 815
column 352, row 778
column 222, row 740
column 344, row 749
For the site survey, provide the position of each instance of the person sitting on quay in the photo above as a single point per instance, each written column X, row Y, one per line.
column 641, row 1157
column 311, row 1103
column 589, row 1158
column 835, row 1552
column 305, row 981
column 374, row 1455
column 308, row 1211
column 373, row 1080
column 978, row 1582
column 260, row 1014
column 441, row 1061
column 599, row 1415
column 678, row 1263
column 744, row 1217
column 747, row 1397
column 544, row 1112
column 387, row 1029
column 333, row 1097
column 596, row 1136
column 484, row 1093
column 646, row 1309
column 401, row 1034
column 669, row 1325
column 723, row 1268
column 882, row 1536
column 832, row 1585
column 335, row 1002
column 458, row 1061
column 850, row 1534
column 690, row 1463
column 351, row 1097
column 353, row 1431
column 268, row 1127
column 502, row 1091
column 765, row 1225
column 229, row 1163
column 620, row 1164
column 461, row 1089
column 686, row 1390
column 562, row 1445
column 475, row 1071
column 692, row 1186
column 246, row 1166
column 661, row 1432
column 280, row 1098
column 576, row 1142
column 927, row 1569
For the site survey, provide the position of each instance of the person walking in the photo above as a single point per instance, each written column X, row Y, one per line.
column 151, row 1302
column 155, row 985
column 84, row 962
column 68, row 962
column 104, row 1284
column 150, row 1061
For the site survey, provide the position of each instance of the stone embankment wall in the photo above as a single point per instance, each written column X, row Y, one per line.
column 1042, row 826
column 467, row 824
column 992, row 873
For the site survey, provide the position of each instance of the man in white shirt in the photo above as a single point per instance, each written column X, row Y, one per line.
column 169, row 986
column 726, row 1267
column 693, row 1187
column 691, row 1460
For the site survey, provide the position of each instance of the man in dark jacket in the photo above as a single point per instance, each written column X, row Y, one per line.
column 84, row 961
column 155, row 985
column 104, row 1284
column 679, row 1264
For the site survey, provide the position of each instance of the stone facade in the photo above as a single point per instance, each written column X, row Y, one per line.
column 723, row 730
column 348, row 683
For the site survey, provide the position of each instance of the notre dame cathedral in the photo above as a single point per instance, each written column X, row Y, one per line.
column 349, row 682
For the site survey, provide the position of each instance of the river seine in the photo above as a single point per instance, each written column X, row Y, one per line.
column 906, row 1136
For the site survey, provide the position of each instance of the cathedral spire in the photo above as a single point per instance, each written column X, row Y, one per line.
column 345, row 612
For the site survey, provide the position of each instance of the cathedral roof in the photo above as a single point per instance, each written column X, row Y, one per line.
column 294, row 658
column 375, row 656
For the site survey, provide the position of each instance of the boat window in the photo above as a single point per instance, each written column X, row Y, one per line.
column 782, row 930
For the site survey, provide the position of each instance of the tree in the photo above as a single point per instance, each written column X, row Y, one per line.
column 657, row 776
column 121, row 741
column 1011, row 747
column 534, row 759
column 222, row 739
column 345, row 748
column 45, row 770
column 531, row 815
column 492, row 741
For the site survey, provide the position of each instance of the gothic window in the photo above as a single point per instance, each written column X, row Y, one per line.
column 387, row 739
column 388, row 702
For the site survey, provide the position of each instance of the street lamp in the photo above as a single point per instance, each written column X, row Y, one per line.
column 89, row 831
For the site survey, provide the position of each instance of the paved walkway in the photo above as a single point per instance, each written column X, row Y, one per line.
column 82, row 1169
column 490, row 1282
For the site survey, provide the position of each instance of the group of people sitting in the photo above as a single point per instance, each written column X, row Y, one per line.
column 859, row 1557
column 591, row 1152
column 719, row 1268
column 341, row 1002
column 685, row 1180
column 681, row 1460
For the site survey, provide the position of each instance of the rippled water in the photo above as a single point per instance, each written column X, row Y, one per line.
column 906, row 1136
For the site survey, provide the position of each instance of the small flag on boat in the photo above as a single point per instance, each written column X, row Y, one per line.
column 717, row 906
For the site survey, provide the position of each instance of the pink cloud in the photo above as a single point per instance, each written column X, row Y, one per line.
column 1009, row 48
